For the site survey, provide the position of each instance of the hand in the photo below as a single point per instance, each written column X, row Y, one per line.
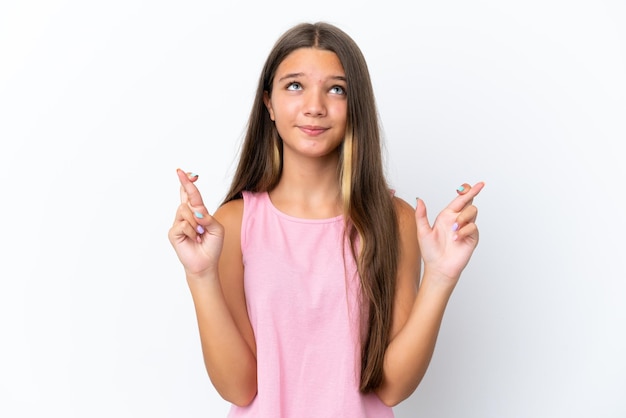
column 195, row 235
column 447, row 246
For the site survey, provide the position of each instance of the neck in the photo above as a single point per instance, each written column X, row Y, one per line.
column 309, row 188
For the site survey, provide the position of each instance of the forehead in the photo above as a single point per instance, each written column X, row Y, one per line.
column 311, row 62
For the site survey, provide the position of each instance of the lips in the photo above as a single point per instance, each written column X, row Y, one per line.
column 313, row 130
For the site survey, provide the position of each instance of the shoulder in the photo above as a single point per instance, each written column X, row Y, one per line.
column 230, row 214
column 407, row 229
column 404, row 211
column 230, row 209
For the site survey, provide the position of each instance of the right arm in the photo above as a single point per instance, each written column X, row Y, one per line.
column 214, row 270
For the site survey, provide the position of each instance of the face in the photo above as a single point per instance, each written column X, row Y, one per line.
column 308, row 103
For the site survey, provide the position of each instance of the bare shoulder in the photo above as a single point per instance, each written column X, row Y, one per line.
column 230, row 213
column 405, row 212
column 407, row 228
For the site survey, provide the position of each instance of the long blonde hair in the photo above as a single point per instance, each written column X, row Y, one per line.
column 368, row 205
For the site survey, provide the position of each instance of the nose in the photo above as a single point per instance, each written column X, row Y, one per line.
column 315, row 105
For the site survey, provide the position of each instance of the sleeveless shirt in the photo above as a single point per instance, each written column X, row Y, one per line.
column 302, row 294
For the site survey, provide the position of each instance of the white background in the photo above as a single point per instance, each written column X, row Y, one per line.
column 100, row 102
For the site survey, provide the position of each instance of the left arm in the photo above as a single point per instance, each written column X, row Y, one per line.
column 445, row 250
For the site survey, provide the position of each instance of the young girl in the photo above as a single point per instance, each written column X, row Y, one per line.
column 306, row 280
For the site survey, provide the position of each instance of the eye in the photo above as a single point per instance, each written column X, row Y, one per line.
column 338, row 90
column 293, row 86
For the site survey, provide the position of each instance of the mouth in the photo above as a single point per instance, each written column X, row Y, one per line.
column 312, row 130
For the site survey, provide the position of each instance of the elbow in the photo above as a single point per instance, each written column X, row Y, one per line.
column 389, row 400
column 241, row 398
column 240, row 392
column 392, row 396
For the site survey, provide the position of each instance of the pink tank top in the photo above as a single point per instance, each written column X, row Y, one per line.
column 301, row 288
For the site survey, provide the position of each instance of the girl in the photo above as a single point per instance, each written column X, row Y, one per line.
column 306, row 280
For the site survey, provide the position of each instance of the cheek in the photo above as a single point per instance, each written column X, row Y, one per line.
column 283, row 110
column 340, row 110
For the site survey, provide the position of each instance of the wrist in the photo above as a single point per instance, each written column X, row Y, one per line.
column 207, row 275
column 437, row 281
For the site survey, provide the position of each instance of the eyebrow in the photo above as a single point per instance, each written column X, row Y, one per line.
column 296, row 75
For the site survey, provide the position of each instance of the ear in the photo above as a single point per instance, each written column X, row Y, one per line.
column 268, row 104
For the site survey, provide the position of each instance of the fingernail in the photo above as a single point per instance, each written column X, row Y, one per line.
column 455, row 237
column 455, row 226
column 200, row 229
column 198, row 215
column 460, row 189
column 193, row 175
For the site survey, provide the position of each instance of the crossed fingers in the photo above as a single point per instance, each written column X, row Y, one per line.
column 466, row 212
column 191, row 210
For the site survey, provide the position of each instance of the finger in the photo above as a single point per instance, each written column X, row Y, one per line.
column 193, row 218
column 466, row 216
column 468, row 231
column 181, row 231
column 465, row 196
column 189, row 192
column 183, row 195
column 186, row 226
column 463, row 188
column 421, row 218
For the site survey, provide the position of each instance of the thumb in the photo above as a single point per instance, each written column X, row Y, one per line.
column 421, row 218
